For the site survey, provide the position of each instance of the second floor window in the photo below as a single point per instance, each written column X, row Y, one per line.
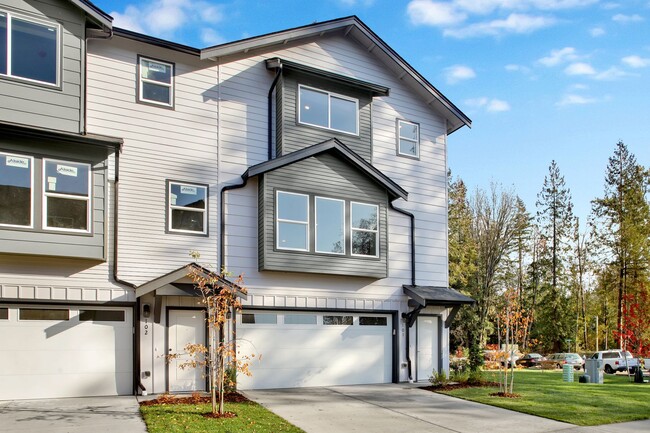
column 328, row 110
column 29, row 49
column 364, row 229
column 408, row 138
column 293, row 221
column 187, row 206
column 156, row 82
column 66, row 195
column 16, row 190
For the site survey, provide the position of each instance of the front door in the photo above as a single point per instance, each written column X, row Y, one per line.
column 428, row 347
column 185, row 327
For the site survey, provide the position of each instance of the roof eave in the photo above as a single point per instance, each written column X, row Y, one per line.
column 94, row 12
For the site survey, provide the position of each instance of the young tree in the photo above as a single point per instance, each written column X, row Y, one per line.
column 513, row 320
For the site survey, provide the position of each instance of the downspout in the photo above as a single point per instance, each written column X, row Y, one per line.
column 222, row 227
column 278, row 72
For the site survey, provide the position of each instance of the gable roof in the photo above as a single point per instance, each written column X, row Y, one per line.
column 94, row 12
column 354, row 28
column 339, row 149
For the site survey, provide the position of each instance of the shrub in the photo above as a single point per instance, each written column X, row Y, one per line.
column 475, row 377
column 459, row 376
column 438, row 379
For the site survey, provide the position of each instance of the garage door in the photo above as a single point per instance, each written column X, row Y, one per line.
column 301, row 349
column 58, row 351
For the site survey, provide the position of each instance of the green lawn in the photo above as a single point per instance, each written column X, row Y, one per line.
column 543, row 393
column 188, row 418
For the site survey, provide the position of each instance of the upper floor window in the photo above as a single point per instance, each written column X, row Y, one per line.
column 16, row 190
column 328, row 110
column 29, row 49
column 156, row 82
column 187, row 207
column 408, row 138
column 364, row 229
column 293, row 221
column 66, row 195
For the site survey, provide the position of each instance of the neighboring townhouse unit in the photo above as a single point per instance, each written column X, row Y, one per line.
column 310, row 160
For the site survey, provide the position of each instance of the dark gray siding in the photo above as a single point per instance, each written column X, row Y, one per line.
column 292, row 136
column 323, row 175
column 44, row 242
column 44, row 106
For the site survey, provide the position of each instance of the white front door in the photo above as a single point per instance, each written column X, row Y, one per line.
column 428, row 347
column 185, row 327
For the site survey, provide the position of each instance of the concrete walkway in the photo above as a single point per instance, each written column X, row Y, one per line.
column 72, row 415
column 404, row 408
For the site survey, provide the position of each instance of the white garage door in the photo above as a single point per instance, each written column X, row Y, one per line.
column 59, row 351
column 301, row 349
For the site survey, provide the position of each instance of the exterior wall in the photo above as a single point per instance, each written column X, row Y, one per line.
column 46, row 106
column 160, row 144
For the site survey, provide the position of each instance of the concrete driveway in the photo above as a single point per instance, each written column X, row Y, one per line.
column 72, row 415
column 404, row 408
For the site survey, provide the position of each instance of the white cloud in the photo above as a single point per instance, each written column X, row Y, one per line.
column 457, row 73
column 580, row 68
column 624, row 19
column 556, row 57
column 573, row 99
column 611, row 5
column 597, row 31
column 210, row 37
column 490, row 105
column 514, row 23
column 636, row 61
column 435, row 14
column 517, row 68
column 579, row 87
column 128, row 20
column 610, row 74
column 488, row 6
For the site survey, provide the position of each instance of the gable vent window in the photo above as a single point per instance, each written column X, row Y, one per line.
column 29, row 49
column 408, row 138
column 156, row 82
column 328, row 110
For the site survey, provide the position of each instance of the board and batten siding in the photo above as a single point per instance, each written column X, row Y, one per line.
column 327, row 176
column 41, row 105
column 160, row 144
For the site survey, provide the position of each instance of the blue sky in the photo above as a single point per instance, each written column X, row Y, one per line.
column 541, row 79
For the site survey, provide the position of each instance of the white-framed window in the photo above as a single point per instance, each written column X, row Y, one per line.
column 66, row 196
column 408, row 138
column 16, row 190
column 328, row 110
column 292, row 221
column 155, row 82
column 187, row 208
column 364, row 229
column 30, row 49
column 330, row 225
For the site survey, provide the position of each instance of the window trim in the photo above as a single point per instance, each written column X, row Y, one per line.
column 171, row 85
column 278, row 220
column 353, row 229
column 59, row 48
column 32, row 187
column 45, row 194
column 170, row 207
column 329, row 110
column 316, row 198
column 400, row 138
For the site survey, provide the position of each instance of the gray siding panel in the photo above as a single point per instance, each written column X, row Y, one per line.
column 327, row 176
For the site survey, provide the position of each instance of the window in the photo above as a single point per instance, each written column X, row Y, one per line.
column 299, row 319
column 292, row 221
column 66, row 195
column 16, row 190
column 4, row 313
column 372, row 321
column 408, row 138
column 187, row 208
column 29, row 49
column 330, row 226
column 43, row 314
column 328, row 110
column 337, row 320
column 364, row 228
column 259, row 318
column 156, row 82
column 101, row 316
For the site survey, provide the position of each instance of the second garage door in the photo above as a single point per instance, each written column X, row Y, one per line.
column 300, row 349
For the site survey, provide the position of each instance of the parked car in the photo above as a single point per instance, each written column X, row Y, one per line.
column 557, row 360
column 616, row 360
column 530, row 360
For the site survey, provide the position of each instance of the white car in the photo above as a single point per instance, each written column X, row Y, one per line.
column 616, row 360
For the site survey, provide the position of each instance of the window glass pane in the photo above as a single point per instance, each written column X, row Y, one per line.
column 329, row 226
column 4, row 313
column 337, row 320
column 373, row 321
column 3, row 44
column 407, row 147
column 187, row 220
column 292, row 235
column 101, row 315
column 408, row 131
column 293, row 207
column 313, row 107
column 364, row 243
column 156, row 92
column 187, row 195
column 65, row 213
column 156, row 71
column 43, row 314
column 66, row 178
column 15, row 190
column 260, row 318
column 343, row 115
column 299, row 319
column 364, row 216
column 33, row 51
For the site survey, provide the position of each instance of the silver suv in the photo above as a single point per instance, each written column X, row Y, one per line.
column 616, row 360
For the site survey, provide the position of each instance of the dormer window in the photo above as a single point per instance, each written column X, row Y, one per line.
column 328, row 110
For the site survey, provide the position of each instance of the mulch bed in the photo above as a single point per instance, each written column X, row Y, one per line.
column 505, row 395
column 167, row 399
column 216, row 415
column 453, row 386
